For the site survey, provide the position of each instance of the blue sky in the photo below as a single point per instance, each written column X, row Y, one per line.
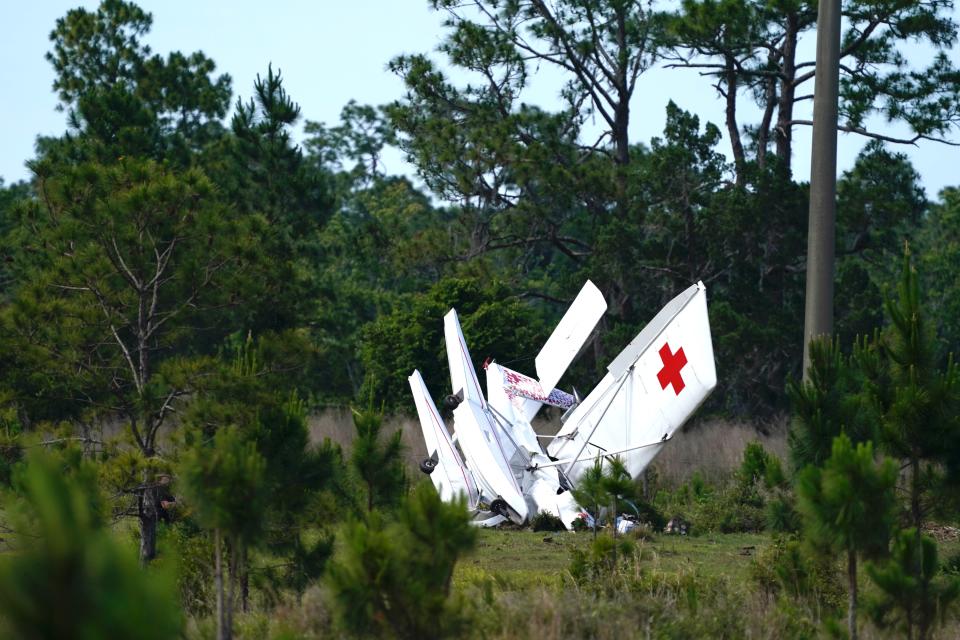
column 330, row 52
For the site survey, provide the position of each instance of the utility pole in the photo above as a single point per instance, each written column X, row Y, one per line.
column 818, row 315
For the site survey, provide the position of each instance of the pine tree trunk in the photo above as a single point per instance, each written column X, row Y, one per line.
column 222, row 632
column 148, row 520
column 916, row 515
column 852, row 602
column 733, row 129
column 231, row 590
column 783, row 134
column 244, row 582
column 916, row 512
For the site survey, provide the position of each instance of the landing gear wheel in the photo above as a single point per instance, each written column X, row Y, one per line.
column 428, row 465
column 499, row 507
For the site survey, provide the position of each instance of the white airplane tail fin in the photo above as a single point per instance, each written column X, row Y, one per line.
column 650, row 390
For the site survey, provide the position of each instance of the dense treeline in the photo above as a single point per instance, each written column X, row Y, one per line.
column 182, row 288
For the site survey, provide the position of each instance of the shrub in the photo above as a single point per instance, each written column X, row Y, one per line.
column 546, row 521
column 604, row 556
column 393, row 579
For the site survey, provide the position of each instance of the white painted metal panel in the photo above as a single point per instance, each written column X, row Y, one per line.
column 488, row 455
column 650, row 390
column 451, row 476
column 571, row 333
column 463, row 376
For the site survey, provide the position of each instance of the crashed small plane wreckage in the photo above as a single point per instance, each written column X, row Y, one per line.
column 494, row 457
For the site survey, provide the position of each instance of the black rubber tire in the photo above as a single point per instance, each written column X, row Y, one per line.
column 499, row 507
column 451, row 402
column 428, row 465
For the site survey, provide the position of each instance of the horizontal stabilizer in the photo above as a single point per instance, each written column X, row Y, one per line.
column 571, row 333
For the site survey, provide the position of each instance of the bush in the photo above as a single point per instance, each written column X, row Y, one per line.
column 70, row 578
column 787, row 569
column 393, row 579
column 600, row 561
column 546, row 521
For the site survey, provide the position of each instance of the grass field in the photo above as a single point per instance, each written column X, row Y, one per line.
column 705, row 586
column 528, row 558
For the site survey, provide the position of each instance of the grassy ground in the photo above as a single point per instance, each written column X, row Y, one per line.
column 709, row 585
column 522, row 559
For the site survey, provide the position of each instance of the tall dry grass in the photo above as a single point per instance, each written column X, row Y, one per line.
column 337, row 425
column 713, row 447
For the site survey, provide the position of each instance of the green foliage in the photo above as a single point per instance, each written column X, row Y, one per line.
column 758, row 466
column 755, row 498
column 546, row 521
column 752, row 235
column 124, row 101
column 590, row 491
column 913, row 596
column 880, row 204
column 826, row 405
column 377, row 461
column 848, row 504
column 938, row 253
column 392, row 579
column 224, row 483
column 605, row 556
column 910, row 392
column 749, row 49
column 187, row 551
column 67, row 560
column 788, row 570
column 411, row 336
column 263, row 172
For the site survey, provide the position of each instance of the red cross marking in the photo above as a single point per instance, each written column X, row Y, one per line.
column 672, row 364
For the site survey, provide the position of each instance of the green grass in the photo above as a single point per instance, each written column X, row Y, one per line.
column 522, row 559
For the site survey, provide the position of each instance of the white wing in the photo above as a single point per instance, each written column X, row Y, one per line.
column 463, row 377
column 491, row 456
column 490, row 452
column 649, row 391
column 451, row 476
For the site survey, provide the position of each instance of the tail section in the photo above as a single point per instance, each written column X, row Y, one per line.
column 650, row 390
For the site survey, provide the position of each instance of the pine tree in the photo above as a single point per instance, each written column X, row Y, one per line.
column 377, row 461
column 124, row 276
column 825, row 405
column 224, row 483
column 393, row 578
column 910, row 392
column 591, row 492
column 70, row 578
column 847, row 506
column 912, row 595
